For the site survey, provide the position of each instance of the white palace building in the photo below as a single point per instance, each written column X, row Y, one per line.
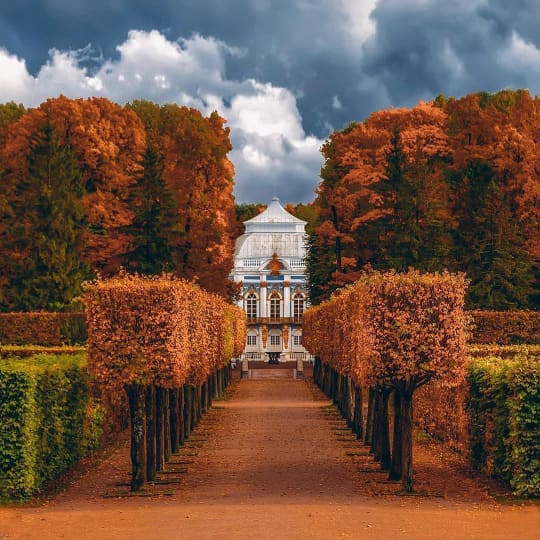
column 269, row 261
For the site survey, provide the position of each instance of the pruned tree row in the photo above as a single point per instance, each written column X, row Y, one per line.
column 168, row 344
column 383, row 337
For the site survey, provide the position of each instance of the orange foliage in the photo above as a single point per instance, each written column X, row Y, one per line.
column 393, row 330
column 200, row 177
column 158, row 330
column 108, row 142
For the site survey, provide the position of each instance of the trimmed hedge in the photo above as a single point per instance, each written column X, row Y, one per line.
column 504, row 407
column 25, row 351
column 506, row 327
column 493, row 418
column 503, row 351
column 47, row 420
column 42, row 328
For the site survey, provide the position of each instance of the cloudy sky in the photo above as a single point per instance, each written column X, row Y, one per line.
column 284, row 73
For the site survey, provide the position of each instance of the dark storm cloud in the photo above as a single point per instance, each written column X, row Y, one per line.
column 419, row 48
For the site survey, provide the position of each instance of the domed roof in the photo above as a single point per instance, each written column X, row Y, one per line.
column 274, row 214
column 272, row 231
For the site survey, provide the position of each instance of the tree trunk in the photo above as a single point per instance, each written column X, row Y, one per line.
column 150, row 410
column 210, row 391
column 350, row 402
column 380, row 445
column 181, row 422
column 368, row 439
column 167, row 446
column 406, row 408
column 174, row 414
column 193, row 405
column 204, row 401
column 395, row 466
column 358, row 422
column 160, row 430
column 316, row 371
column 187, row 411
column 136, row 398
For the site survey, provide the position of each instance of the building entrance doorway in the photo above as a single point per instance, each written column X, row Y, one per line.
column 273, row 357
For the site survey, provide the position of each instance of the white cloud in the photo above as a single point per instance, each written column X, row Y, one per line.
column 522, row 57
column 272, row 153
column 336, row 103
column 358, row 12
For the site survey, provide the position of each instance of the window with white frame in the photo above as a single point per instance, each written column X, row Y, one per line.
column 298, row 305
column 275, row 305
column 297, row 340
column 252, row 340
column 251, row 306
column 275, row 340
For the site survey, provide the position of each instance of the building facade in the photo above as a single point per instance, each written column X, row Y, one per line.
column 269, row 261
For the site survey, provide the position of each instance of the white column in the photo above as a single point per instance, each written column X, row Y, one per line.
column 262, row 301
column 287, row 299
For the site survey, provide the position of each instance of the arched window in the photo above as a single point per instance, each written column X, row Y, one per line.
column 251, row 306
column 298, row 305
column 275, row 305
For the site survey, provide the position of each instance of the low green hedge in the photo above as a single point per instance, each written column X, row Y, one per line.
column 504, row 410
column 47, row 420
column 25, row 351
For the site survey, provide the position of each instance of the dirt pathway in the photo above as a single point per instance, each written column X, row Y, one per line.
column 273, row 463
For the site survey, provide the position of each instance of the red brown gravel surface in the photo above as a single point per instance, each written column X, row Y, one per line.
column 275, row 462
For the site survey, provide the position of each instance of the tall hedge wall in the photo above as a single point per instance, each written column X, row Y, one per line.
column 42, row 328
column 493, row 418
column 506, row 327
column 47, row 420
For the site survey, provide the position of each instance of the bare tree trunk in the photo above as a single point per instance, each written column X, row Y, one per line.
column 210, row 384
column 204, row 402
column 136, row 398
column 150, row 410
column 167, row 446
column 193, row 404
column 406, row 407
column 181, row 422
column 350, row 402
column 395, row 466
column 174, row 414
column 358, row 422
column 380, row 445
column 368, row 439
column 160, row 430
column 187, row 411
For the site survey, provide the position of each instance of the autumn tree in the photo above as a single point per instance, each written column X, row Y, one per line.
column 392, row 332
column 399, row 190
column 198, row 174
column 107, row 144
column 45, row 236
column 9, row 113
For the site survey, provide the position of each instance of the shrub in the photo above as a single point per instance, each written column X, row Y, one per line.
column 47, row 420
column 25, row 351
column 42, row 328
column 493, row 419
column 506, row 327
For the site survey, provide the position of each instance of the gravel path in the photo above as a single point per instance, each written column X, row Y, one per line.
column 274, row 462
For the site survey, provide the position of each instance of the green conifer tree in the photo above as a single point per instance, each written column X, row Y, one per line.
column 156, row 218
column 490, row 242
column 48, row 228
column 415, row 233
